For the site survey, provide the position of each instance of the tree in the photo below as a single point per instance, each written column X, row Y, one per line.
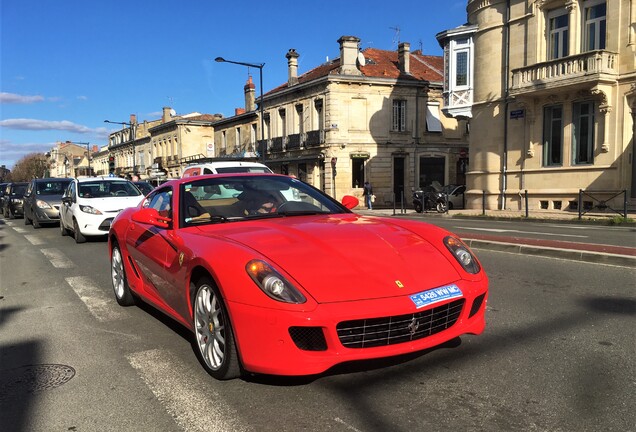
column 33, row 165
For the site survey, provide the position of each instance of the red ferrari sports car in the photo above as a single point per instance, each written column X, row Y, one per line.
column 273, row 276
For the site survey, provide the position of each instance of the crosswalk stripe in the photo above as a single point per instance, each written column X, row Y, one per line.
column 35, row 240
column 19, row 230
column 57, row 258
column 102, row 306
column 181, row 395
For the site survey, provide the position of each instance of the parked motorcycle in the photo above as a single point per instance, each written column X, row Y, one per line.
column 429, row 199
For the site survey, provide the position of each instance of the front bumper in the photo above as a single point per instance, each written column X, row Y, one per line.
column 266, row 345
column 95, row 225
column 48, row 215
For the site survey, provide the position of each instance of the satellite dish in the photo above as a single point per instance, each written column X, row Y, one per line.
column 173, row 113
column 361, row 59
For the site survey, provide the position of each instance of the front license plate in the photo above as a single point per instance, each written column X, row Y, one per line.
column 436, row 295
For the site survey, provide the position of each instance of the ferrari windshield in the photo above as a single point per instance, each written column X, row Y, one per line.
column 244, row 197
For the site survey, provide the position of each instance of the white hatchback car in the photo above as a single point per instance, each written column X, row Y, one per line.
column 223, row 167
column 90, row 204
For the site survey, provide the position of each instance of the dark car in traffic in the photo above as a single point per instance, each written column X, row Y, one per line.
column 144, row 187
column 3, row 186
column 42, row 201
column 12, row 205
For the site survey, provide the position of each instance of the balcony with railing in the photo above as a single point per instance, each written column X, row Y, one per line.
column 315, row 138
column 581, row 68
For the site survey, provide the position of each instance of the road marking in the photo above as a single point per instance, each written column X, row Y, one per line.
column 57, row 258
column 498, row 230
column 103, row 307
column 182, row 395
column 19, row 230
column 35, row 240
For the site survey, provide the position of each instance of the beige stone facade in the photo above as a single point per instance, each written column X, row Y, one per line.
column 161, row 147
column 553, row 112
column 366, row 116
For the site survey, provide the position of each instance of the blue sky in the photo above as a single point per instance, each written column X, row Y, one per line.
column 68, row 65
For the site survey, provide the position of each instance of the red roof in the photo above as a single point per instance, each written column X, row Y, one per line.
column 381, row 64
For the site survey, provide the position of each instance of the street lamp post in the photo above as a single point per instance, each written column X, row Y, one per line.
column 260, row 105
column 133, row 137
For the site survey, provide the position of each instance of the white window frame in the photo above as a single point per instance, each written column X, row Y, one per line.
column 398, row 123
column 596, row 22
column 562, row 34
column 433, row 120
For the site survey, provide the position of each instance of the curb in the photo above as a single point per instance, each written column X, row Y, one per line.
column 550, row 252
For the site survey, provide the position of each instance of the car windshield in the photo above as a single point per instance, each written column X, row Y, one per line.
column 19, row 189
column 241, row 198
column 242, row 169
column 104, row 188
column 53, row 187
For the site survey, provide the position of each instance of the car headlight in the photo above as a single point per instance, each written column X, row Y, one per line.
column 462, row 254
column 273, row 283
column 90, row 210
column 42, row 204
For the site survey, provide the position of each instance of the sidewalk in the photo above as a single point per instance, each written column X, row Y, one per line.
column 597, row 253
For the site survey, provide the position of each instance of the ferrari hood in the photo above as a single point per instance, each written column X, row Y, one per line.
column 347, row 257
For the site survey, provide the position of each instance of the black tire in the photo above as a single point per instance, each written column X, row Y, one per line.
column 213, row 339
column 118, row 277
column 36, row 223
column 418, row 207
column 79, row 237
column 441, row 207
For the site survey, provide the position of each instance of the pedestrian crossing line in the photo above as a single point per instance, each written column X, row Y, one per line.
column 19, row 230
column 182, row 395
column 103, row 307
column 35, row 240
column 57, row 258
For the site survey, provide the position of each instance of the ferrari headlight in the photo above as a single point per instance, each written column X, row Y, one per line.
column 273, row 283
column 90, row 210
column 462, row 254
column 42, row 204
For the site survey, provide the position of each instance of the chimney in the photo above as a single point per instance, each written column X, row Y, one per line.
column 239, row 111
column 166, row 115
column 292, row 67
column 250, row 92
column 349, row 55
column 404, row 57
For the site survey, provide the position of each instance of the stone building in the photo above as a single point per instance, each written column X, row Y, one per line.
column 368, row 115
column 161, row 147
column 553, row 104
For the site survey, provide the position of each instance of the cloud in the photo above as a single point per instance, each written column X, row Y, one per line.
column 19, row 99
column 11, row 152
column 44, row 125
column 82, row 98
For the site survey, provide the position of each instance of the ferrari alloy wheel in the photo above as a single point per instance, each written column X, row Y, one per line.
column 118, row 276
column 79, row 237
column 213, row 334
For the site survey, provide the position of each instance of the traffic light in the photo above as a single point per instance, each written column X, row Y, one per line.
column 111, row 164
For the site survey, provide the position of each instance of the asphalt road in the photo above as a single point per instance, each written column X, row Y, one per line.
column 558, row 354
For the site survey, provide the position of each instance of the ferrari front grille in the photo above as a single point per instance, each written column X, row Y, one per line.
column 374, row 332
